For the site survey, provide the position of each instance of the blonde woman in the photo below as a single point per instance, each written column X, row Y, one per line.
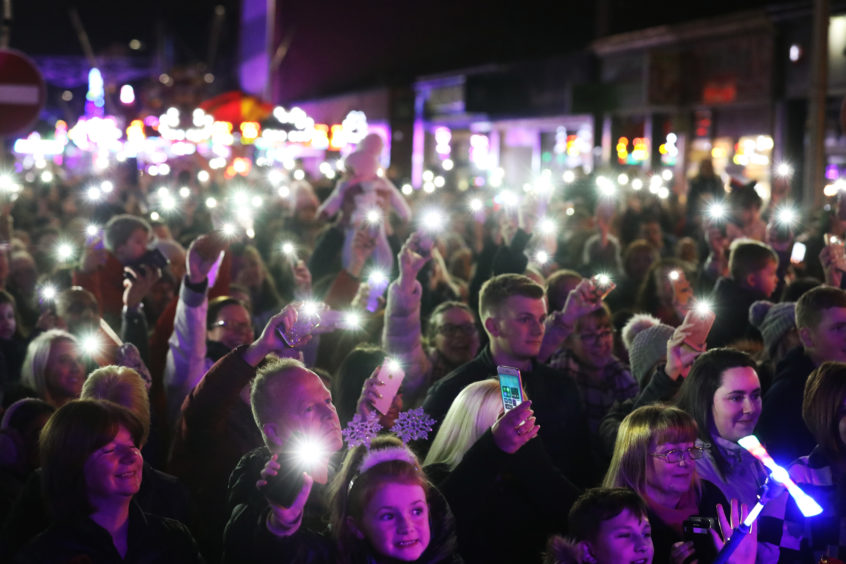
column 499, row 482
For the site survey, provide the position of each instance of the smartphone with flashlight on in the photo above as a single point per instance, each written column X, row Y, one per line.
column 308, row 318
column 701, row 319
column 283, row 488
column 602, row 286
column 838, row 251
column 391, row 374
column 510, row 386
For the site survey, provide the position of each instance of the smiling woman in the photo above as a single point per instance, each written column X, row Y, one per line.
column 91, row 469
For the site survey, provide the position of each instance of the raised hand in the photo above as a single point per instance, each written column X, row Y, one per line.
column 284, row 521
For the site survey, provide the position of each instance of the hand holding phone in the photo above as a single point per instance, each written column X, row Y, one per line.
column 391, row 376
column 511, row 387
column 797, row 253
column 700, row 319
column 308, row 318
column 697, row 529
column 601, row 286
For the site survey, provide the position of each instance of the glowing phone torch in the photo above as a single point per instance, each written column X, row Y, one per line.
column 806, row 503
column 716, row 211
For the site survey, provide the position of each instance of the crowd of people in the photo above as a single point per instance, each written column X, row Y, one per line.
column 182, row 390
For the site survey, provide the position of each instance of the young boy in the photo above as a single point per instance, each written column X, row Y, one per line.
column 608, row 526
column 125, row 238
column 753, row 268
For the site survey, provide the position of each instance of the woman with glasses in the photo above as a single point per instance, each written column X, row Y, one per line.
column 656, row 456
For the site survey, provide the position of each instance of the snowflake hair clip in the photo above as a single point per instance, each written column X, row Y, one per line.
column 413, row 425
column 361, row 430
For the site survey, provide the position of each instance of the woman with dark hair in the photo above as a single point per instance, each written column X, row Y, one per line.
column 91, row 469
column 723, row 394
column 821, row 474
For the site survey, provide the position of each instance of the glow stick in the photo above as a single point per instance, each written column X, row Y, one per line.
column 806, row 503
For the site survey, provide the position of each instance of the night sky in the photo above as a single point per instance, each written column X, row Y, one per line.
column 338, row 46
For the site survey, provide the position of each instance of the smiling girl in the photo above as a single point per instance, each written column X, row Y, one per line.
column 384, row 510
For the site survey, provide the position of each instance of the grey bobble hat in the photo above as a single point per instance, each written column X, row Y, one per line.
column 772, row 320
column 649, row 347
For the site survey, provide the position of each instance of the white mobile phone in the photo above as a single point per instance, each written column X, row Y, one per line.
column 391, row 374
column 510, row 386
column 797, row 253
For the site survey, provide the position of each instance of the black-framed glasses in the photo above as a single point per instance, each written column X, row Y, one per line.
column 454, row 330
column 596, row 338
column 675, row 455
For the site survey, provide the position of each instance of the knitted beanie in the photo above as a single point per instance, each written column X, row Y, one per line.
column 648, row 348
column 772, row 320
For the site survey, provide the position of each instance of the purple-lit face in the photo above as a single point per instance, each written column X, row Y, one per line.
column 7, row 321
column 396, row 521
column 114, row 470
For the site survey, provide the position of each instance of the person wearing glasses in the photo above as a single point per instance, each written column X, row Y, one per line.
column 452, row 338
column 656, row 455
column 588, row 356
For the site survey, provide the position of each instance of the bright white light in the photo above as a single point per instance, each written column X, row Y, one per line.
column 257, row 201
column 428, row 176
column 211, row 202
column 92, row 230
column 428, row 187
column 127, row 94
column 508, row 198
column 284, row 191
column 569, row 176
column 663, row 192
column 570, row 211
column 163, row 192
column 376, row 278
column 155, row 216
column 64, row 252
column 310, row 308
column 667, row 175
column 716, row 210
column 46, row 177
column 439, row 181
column 48, row 293
column 250, row 233
column 184, row 192
column 637, row 184
column 606, row 188
column 433, row 220
column 622, row 179
column 309, row 451
column 448, row 164
column 299, row 174
column 288, row 248
column 674, row 275
column 164, row 169
column 702, row 307
column 787, row 216
column 393, row 365
column 91, row 344
column 203, row 176
column 795, row 52
column 603, row 280
column 93, row 193
column 547, row 226
column 407, row 189
column 168, row 203
column 228, row 229
column 106, row 187
column 475, row 204
column 541, row 257
column 373, row 216
column 352, row 320
column 784, row 169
